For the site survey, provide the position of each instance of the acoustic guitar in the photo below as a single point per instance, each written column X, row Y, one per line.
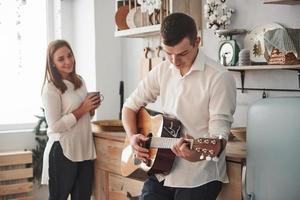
column 163, row 132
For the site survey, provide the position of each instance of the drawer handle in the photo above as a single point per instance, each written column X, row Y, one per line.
column 245, row 194
column 130, row 197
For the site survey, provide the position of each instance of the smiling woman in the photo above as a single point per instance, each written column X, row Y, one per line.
column 22, row 53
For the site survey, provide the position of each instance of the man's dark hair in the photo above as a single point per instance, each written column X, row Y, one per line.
column 177, row 26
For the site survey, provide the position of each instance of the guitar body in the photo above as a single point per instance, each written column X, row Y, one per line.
column 161, row 159
column 163, row 132
column 158, row 126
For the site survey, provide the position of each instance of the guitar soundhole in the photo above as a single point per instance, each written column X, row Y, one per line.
column 139, row 130
column 148, row 142
column 147, row 146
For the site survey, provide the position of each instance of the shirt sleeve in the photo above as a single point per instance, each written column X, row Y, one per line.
column 146, row 92
column 222, row 105
column 57, row 122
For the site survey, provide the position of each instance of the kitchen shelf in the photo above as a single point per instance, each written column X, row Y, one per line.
column 264, row 67
column 192, row 7
column 284, row 2
column 242, row 70
column 139, row 32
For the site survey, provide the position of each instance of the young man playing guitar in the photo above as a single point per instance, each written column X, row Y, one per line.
column 202, row 96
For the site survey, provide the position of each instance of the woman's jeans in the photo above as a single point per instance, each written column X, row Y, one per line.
column 67, row 177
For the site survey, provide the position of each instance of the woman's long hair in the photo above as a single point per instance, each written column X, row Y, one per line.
column 52, row 74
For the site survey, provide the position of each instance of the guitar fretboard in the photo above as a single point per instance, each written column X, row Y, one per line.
column 163, row 142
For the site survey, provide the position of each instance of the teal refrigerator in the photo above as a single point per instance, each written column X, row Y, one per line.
column 272, row 170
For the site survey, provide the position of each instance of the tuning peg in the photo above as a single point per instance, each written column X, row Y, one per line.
column 208, row 158
column 220, row 137
column 215, row 159
column 211, row 152
column 201, row 157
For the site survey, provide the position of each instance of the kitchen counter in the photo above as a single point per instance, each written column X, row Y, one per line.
column 111, row 185
column 234, row 149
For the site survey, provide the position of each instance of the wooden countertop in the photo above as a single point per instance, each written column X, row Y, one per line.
column 234, row 149
column 117, row 136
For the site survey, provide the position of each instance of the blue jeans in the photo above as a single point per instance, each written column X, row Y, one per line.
column 154, row 190
column 67, row 177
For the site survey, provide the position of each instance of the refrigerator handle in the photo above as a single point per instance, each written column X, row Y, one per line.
column 245, row 194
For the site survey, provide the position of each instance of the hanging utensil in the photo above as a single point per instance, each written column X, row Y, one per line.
column 158, row 57
column 121, row 93
column 146, row 63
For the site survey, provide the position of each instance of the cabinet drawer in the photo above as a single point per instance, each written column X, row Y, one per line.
column 233, row 189
column 120, row 186
column 108, row 155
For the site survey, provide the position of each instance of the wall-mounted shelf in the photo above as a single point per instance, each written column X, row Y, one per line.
column 264, row 67
column 139, row 32
column 149, row 24
column 242, row 70
column 285, row 2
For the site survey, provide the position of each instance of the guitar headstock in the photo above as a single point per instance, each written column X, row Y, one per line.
column 208, row 148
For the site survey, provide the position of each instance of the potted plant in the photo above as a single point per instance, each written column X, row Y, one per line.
column 41, row 138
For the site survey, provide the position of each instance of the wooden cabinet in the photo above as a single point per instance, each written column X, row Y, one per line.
column 235, row 157
column 110, row 185
column 122, row 188
column 233, row 189
column 149, row 24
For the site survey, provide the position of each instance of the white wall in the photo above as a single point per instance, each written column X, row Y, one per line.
column 82, row 33
column 109, row 59
column 131, row 56
column 13, row 141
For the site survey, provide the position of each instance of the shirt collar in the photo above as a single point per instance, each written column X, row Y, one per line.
column 199, row 61
column 198, row 64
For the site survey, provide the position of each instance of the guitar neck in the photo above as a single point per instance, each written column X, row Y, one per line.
column 164, row 142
